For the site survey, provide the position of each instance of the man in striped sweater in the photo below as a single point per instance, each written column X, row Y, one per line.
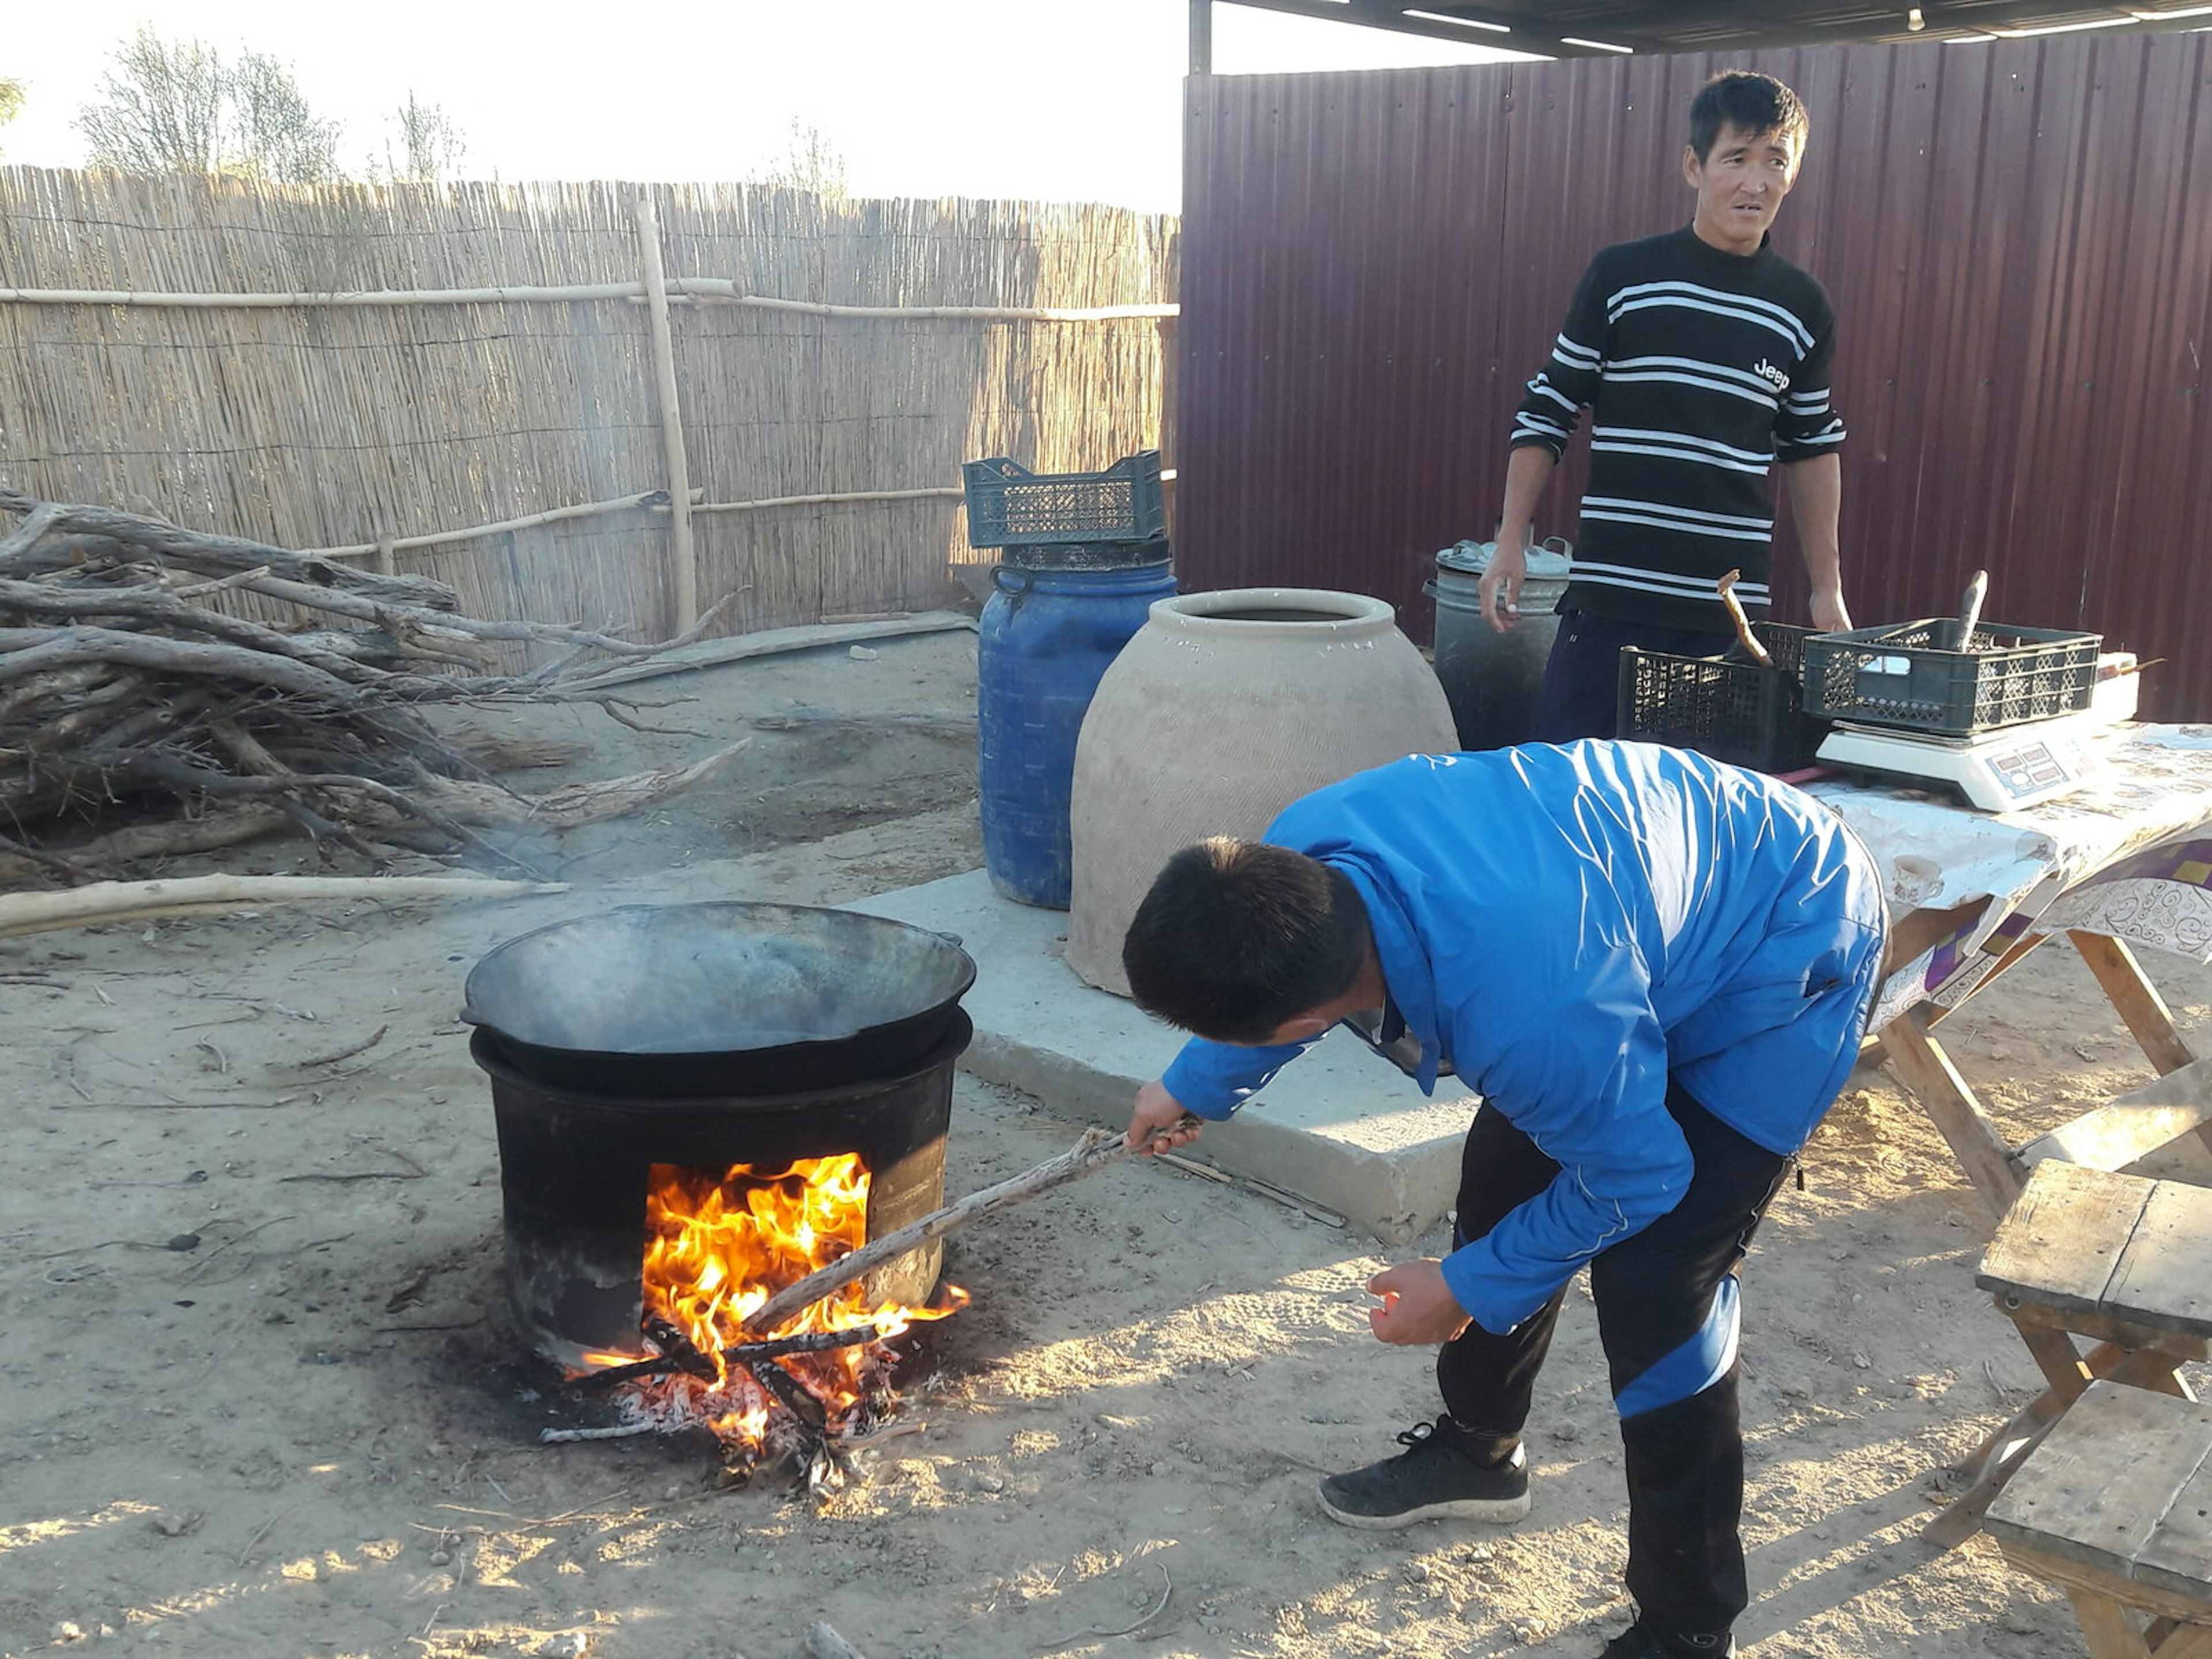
column 1704, row 356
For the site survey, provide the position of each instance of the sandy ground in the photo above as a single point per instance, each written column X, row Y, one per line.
column 259, row 1398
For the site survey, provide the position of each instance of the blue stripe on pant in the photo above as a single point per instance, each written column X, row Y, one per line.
column 1666, row 1316
column 1703, row 1360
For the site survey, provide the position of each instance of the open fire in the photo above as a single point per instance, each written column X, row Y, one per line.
column 717, row 1246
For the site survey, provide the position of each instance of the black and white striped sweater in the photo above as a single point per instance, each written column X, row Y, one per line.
column 1701, row 370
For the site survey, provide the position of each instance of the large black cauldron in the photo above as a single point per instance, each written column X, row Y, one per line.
column 574, row 1165
column 705, row 1035
column 718, row 998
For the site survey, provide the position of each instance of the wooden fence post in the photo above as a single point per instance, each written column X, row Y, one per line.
column 684, row 564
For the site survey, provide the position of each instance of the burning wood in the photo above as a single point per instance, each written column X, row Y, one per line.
column 785, row 1252
column 717, row 1245
column 744, row 1353
column 122, row 679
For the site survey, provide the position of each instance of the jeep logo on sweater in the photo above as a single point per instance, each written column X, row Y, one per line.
column 1766, row 371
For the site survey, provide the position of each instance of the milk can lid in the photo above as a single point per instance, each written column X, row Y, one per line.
column 1550, row 560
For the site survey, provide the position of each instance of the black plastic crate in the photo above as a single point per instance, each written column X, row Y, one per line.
column 1732, row 710
column 1009, row 506
column 1901, row 676
column 1087, row 556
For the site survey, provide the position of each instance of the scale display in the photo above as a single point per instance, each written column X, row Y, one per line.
column 2015, row 768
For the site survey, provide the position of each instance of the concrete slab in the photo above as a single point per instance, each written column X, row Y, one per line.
column 1339, row 1127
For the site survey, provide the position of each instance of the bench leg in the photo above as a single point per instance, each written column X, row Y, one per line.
column 1998, row 1458
column 1996, row 1462
column 2106, row 1630
column 2170, row 1640
column 2063, row 1367
column 2146, row 1368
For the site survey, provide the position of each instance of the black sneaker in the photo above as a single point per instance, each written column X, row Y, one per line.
column 1437, row 1477
column 1637, row 1643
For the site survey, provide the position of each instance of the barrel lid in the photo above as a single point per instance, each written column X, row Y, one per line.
column 1549, row 560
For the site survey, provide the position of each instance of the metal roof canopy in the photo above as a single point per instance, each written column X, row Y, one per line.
column 1602, row 28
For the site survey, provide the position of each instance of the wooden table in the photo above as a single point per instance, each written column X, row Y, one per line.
column 2126, row 862
column 2118, row 1260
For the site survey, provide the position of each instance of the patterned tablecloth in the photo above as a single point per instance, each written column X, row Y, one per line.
column 2128, row 855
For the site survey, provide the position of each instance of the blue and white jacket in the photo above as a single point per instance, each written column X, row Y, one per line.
column 1567, row 926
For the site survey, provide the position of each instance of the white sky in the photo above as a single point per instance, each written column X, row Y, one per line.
column 1048, row 100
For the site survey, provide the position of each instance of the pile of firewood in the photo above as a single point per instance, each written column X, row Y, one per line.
column 140, row 718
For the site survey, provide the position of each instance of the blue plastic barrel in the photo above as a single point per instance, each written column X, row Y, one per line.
column 1046, row 638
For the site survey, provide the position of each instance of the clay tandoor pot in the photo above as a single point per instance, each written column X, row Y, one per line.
column 1224, row 709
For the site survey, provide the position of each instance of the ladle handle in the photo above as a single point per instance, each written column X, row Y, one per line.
column 1097, row 1149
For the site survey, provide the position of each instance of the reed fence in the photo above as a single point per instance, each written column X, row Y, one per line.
column 509, row 388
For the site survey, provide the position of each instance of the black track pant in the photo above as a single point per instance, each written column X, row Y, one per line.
column 1655, row 1294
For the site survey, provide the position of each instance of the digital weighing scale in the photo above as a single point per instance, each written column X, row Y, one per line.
column 2013, row 767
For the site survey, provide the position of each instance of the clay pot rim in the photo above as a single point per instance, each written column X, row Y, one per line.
column 1335, row 612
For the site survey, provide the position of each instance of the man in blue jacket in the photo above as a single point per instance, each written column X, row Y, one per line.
column 1655, row 970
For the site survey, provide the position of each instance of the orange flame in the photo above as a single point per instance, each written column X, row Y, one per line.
column 717, row 1247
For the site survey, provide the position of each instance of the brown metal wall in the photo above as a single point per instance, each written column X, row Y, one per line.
column 2018, row 237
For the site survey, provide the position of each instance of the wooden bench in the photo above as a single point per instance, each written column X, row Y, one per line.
column 2115, row 1508
column 2133, row 1126
column 2110, row 1137
column 2117, row 1259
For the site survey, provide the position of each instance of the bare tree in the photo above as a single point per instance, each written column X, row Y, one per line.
column 812, row 162
column 273, row 132
column 177, row 107
column 163, row 109
column 430, row 143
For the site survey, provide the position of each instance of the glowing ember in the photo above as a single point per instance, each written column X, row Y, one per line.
column 717, row 1247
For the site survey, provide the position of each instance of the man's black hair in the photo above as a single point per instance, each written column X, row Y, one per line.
column 1238, row 938
column 1757, row 103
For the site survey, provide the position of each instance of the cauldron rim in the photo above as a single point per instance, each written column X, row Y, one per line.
column 494, row 1054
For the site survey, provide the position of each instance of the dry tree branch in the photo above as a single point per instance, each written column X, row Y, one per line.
column 140, row 842
column 53, row 861
column 221, row 556
column 115, row 683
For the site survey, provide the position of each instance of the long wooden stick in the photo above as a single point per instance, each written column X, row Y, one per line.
column 681, row 290
column 1097, row 1149
column 129, row 901
column 427, row 296
column 824, row 501
column 654, row 501
column 643, row 498
column 707, row 291
column 685, row 571
column 435, row 622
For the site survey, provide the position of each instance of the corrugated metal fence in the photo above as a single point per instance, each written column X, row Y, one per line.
column 2018, row 237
